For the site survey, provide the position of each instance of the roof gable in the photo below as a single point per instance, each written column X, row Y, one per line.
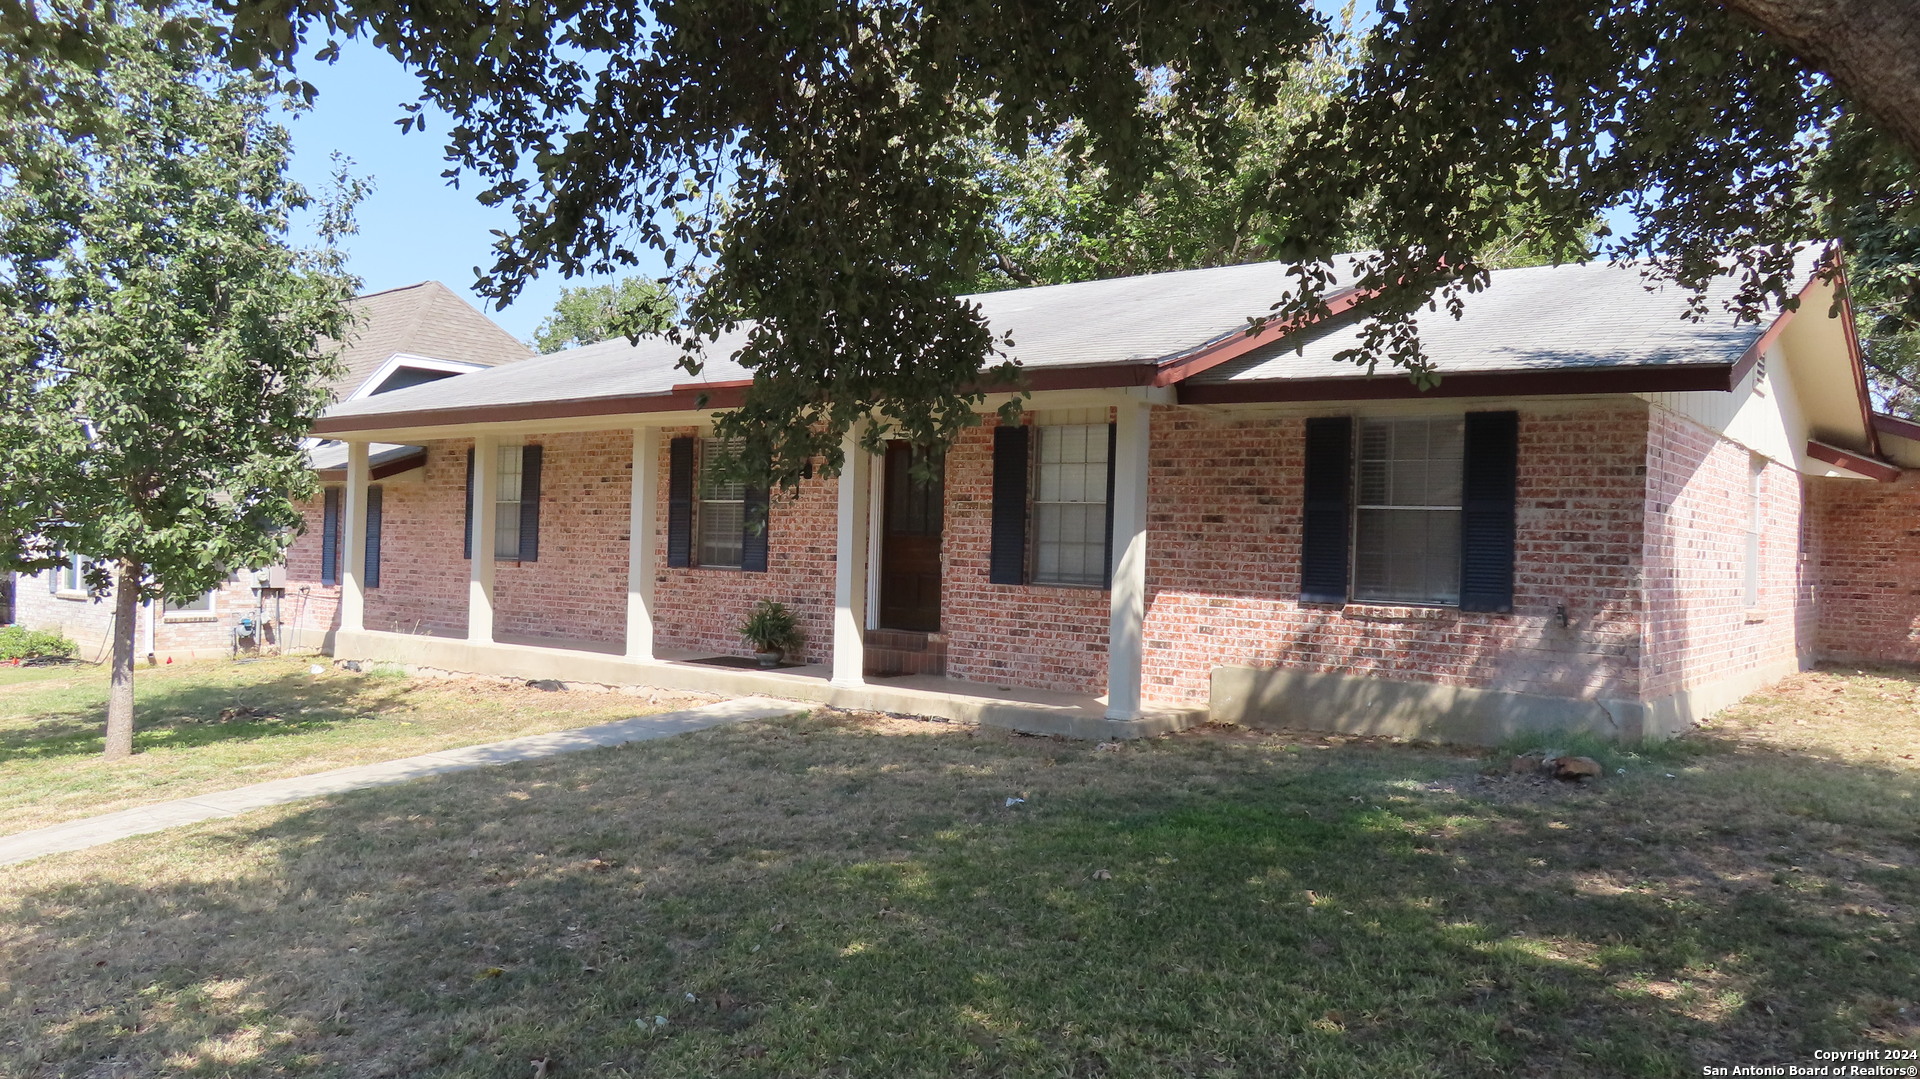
column 426, row 319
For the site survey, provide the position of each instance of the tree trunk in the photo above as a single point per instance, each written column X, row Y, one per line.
column 1871, row 49
column 126, row 608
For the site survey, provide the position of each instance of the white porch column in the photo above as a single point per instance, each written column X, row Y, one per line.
column 640, row 540
column 850, row 563
column 353, row 576
column 1129, row 592
column 486, row 486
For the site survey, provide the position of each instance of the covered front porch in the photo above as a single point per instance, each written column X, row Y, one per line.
column 1033, row 711
column 479, row 636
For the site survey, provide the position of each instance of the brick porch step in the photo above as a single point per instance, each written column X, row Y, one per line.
column 896, row 651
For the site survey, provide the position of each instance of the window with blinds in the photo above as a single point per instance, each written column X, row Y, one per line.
column 1407, row 487
column 1070, row 505
column 723, row 509
column 506, row 503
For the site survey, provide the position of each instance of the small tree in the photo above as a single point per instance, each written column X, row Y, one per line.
column 164, row 348
column 593, row 313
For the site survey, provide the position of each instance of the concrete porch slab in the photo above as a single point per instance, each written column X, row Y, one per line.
column 1030, row 711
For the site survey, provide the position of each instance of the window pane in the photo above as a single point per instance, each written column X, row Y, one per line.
column 720, row 527
column 1070, row 505
column 1407, row 556
column 722, row 513
column 506, row 504
column 1407, row 486
column 506, row 530
column 199, row 603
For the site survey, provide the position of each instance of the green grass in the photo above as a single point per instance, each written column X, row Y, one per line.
column 835, row 895
column 209, row 726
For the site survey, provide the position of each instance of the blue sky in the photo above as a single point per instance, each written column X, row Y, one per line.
column 413, row 227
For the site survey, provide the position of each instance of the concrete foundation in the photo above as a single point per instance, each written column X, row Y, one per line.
column 1026, row 710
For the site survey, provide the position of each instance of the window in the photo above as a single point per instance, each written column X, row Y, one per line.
column 506, row 504
column 1070, row 505
column 1756, row 475
column 201, row 604
column 516, row 503
column 723, row 509
column 71, row 575
column 1406, row 527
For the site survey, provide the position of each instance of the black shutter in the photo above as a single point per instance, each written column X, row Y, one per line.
column 1492, row 454
column 530, row 503
column 1324, row 519
column 1113, row 443
column 756, row 522
column 466, row 529
column 1007, row 553
column 370, row 577
column 330, row 536
column 680, row 502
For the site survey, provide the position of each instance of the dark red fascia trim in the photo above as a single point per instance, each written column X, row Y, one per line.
column 1897, row 427
column 1855, row 356
column 1559, row 382
column 381, row 471
column 720, row 396
column 1219, row 351
column 1853, row 462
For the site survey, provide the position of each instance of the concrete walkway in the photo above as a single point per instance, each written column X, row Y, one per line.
column 93, row 831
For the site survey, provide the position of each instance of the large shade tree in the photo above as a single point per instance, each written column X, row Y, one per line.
column 805, row 162
column 162, row 348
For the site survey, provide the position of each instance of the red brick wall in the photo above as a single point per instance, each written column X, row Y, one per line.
column 701, row 609
column 1700, row 628
column 1223, row 565
column 1035, row 636
column 1867, row 539
column 577, row 589
column 309, row 609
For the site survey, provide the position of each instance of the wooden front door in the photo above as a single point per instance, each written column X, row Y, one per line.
column 910, row 543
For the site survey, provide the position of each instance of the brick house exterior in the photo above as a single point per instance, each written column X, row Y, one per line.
column 1686, row 511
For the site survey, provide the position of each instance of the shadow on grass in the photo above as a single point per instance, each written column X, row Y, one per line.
column 186, row 713
column 703, row 906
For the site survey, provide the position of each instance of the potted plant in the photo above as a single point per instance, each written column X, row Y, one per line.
column 772, row 630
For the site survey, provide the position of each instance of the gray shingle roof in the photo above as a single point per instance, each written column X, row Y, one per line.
column 1548, row 317
column 1123, row 320
column 1537, row 318
column 428, row 319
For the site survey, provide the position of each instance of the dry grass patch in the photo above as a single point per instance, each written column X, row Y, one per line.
column 844, row 895
column 212, row 726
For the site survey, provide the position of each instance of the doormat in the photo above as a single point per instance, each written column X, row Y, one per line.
column 744, row 663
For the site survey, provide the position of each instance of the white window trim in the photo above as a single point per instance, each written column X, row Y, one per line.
column 1354, row 599
column 79, row 564
column 700, row 503
column 517, row 452
column 1099, row 418
column 211, row 614
column 400, row 361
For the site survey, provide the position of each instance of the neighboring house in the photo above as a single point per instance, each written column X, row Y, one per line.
column 404, row 338
column 1606, row 517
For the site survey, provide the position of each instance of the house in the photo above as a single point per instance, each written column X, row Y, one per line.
column 1606, row 517
column 403, row 338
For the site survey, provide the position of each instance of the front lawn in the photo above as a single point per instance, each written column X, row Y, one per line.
column 854, row 896
column 210, row 726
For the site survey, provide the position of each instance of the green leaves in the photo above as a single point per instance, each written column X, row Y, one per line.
column 162, row 350
column 582, row 316
column 816, row 165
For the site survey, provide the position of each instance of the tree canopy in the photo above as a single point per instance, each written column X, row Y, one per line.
column 589, row 313
column 162, row 348
column 807, row 164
